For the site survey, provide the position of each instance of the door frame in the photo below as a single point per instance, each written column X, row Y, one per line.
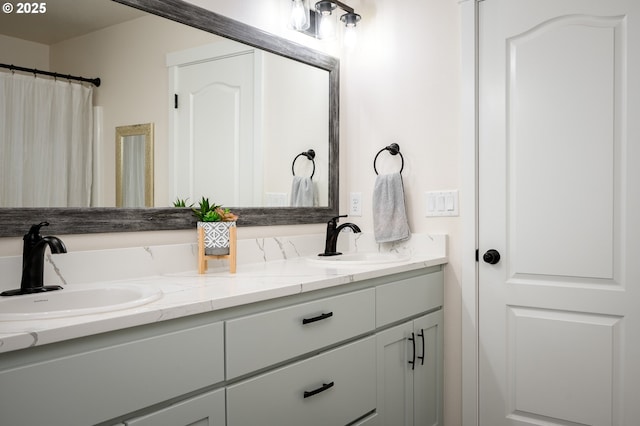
column 469, row 199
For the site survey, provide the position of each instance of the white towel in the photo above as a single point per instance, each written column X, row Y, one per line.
column 302, row 192
column 389, row 215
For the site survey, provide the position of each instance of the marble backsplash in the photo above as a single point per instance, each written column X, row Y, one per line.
column 137, row 262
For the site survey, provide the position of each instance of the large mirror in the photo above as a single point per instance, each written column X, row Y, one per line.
column 106, row 219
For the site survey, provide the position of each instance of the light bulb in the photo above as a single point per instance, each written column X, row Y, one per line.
column 350, row 36
column 300, row 20
column 326, row 27
column 350, row 20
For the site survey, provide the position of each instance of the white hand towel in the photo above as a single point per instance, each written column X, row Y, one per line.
column 389, row 215
column 302, row 192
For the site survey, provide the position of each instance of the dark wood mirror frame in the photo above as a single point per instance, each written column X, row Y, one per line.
column 16, row 221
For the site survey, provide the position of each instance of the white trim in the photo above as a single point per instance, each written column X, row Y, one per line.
column 203, row 53
column 258, row 123
column 469, row 198
column 97, row 186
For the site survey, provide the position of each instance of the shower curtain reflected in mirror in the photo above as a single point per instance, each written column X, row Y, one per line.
column 134, row 166
column 133, row 171
column 46, row 142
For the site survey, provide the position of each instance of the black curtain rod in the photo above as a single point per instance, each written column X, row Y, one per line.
column 94, row 81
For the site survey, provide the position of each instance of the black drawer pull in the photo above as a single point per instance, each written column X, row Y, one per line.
column 421, row 334
column 318, row 318
column 413, row 343
column 322, row 388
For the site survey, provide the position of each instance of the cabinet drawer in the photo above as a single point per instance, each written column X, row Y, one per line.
column 257, row 341
column 95, row 385
column 207, row 409
column 340, row 387
column 370, row 420
column 408, row 297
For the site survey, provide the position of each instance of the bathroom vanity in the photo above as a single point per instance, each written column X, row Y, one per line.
column 285, row 342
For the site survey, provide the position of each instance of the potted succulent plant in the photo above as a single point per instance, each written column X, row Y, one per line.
column 181, row 202
column 216, row 222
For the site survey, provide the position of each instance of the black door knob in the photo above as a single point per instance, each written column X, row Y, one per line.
column 491, row 256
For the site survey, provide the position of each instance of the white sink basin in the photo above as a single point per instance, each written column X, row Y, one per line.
column 76, row 300
column 360, row 258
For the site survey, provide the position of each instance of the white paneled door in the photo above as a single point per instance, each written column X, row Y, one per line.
column 213, row 119
column 559, row 202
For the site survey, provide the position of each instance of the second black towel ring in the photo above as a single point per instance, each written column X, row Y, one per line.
column 394, row 149
column 310, row 154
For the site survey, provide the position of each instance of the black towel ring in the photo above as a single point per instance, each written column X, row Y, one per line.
column 394, row 149
column 310, row 154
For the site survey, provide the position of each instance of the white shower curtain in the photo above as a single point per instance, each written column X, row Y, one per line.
column 133, row 171
column 46, row 140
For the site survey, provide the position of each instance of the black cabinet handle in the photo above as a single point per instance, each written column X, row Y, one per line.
column 318, row 318
column 413, row 342
column 421, row 335
column 322, row 388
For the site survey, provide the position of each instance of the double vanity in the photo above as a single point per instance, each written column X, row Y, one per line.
column 287, row 340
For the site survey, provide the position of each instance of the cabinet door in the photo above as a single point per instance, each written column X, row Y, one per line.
column 395, row 376
column 203, row 410
column 427, row 382
column 410, row 373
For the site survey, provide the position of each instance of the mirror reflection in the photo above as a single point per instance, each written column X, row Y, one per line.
column 239, row 157
column 134, row 166
column 245, row 114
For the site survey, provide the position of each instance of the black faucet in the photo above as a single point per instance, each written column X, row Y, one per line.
column 332, row 235
column 33, row 261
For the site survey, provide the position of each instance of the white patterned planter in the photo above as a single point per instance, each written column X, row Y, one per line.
column 216, row 237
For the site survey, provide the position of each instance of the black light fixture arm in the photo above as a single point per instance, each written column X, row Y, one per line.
column 329, row 5
column 343, row 6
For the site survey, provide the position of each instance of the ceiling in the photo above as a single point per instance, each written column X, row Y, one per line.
column 65, row 19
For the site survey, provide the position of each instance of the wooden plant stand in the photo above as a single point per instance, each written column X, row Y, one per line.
column 232, row 256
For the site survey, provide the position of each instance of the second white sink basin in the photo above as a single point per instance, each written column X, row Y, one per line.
column 76, row 300
column 359, row 258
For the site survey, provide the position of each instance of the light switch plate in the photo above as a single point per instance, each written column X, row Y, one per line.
column 441, row 203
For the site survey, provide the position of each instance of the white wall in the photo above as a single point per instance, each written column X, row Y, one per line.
column 400, row 84
column 23, row 53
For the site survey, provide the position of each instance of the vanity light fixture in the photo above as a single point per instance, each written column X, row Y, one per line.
column 350, row 20
column 303, row 19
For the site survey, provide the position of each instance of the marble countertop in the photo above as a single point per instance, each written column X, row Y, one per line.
column 189, row 293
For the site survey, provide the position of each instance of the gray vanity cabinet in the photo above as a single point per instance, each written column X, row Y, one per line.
column 334, row 356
